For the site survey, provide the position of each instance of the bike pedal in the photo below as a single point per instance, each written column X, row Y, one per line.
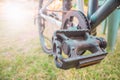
column 74, row 44
column 82, row 61
column 73, row 33
column 91, row 60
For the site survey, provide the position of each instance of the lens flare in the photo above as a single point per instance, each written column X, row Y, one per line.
column 15, row 14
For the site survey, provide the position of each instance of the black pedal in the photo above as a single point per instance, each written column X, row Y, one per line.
column 74, row 44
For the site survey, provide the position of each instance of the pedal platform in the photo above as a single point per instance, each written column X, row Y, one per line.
column 70, row 46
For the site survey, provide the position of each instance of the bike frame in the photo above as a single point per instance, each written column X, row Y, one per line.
column 75, row 41
column 95, row 15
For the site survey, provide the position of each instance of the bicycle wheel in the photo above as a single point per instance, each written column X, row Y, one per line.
column 42, row 25
column 46, row 28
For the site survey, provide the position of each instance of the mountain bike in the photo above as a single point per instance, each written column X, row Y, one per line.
column 74, row 44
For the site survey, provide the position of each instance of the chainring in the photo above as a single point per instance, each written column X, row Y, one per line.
column 69, row 17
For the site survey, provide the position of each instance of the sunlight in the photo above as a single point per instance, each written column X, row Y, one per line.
column 15, row 15
column 14, row 11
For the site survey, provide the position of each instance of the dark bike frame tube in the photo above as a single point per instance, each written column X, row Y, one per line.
column 66, row 6
column 107, row 8
column 93, row 5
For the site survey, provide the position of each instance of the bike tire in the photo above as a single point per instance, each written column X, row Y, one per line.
column 41, row 26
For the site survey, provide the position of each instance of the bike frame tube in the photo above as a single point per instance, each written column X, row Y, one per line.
column 40, row 6
column 93, row 6
column 66, row 6
column 50, row 19
column 80, row 5
column 107, row 8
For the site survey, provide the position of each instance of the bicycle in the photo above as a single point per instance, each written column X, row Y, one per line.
column 77, row 33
